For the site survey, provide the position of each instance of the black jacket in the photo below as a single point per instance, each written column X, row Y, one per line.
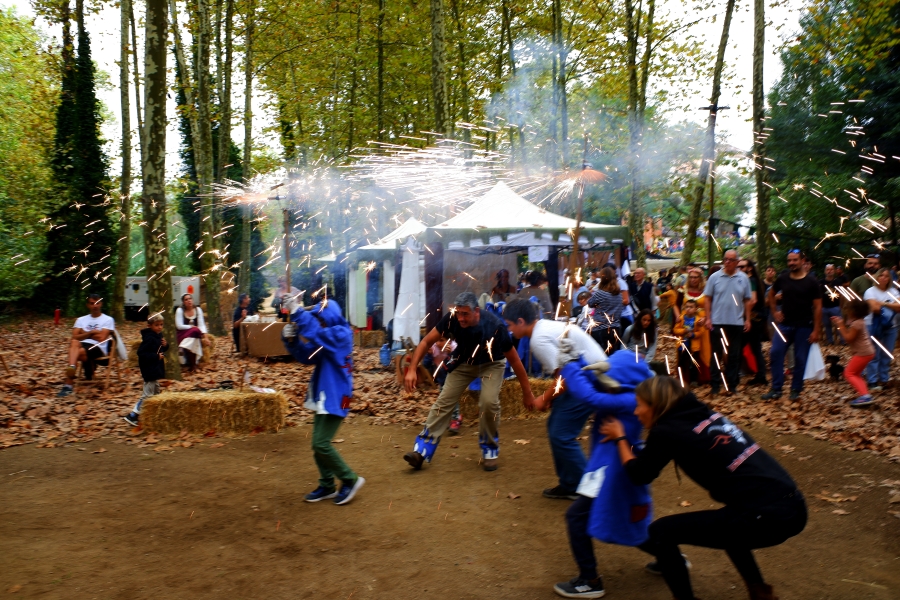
column 715, row 453
column 641, row 296
column 152, row 367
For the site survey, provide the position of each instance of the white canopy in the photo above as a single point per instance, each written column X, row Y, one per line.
column 411, row 227
column 502, row 209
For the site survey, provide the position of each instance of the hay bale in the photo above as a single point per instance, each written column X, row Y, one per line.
column 371, row 339
column 510, row 398
column 230, row 411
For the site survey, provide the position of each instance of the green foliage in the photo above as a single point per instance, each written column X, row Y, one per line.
column 834, row 129
column 81, row 240
column 28, row 96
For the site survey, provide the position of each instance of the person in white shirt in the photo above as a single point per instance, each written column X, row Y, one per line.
column 191, row 331
column 569, row 415
column 91, row 342
column 884, row 299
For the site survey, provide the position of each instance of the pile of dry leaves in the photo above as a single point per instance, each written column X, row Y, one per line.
column 30, row 412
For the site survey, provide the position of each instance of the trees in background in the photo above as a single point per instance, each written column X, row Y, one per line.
column 29, row 92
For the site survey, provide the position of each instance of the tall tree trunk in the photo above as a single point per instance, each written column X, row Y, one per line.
column 709, row 150
column 636, row 208
column 210, row 255
column 463, row 71
column 379, row 42
column 224, row 71
column 153, row 175
column 354, row 82
column 439, row 69
column 244, row 272
column 759, row 140
column 137, row 81
column 561, row 97
column 123, row 252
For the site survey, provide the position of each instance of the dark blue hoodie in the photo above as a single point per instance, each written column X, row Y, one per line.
column 622, row 511
column 328, row 345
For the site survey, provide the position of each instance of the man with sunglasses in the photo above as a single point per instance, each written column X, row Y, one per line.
column 797, row 320
column 728, row 300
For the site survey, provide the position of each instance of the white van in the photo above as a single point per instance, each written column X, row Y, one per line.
column 136, row 297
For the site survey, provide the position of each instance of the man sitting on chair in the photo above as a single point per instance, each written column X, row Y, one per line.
column 91, row 342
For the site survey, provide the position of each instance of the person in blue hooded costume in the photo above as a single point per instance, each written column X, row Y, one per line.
column 609, row 506
column 319, row 335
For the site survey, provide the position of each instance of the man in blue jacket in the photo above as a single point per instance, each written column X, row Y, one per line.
column 320, row 336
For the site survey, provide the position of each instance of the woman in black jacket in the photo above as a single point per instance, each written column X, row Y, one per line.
column 763, row 506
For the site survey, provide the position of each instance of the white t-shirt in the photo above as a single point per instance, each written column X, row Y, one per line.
column 89, row 323
column 889, row 295
column 545, row 343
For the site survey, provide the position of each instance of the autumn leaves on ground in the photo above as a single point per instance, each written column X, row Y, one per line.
column 92, row 508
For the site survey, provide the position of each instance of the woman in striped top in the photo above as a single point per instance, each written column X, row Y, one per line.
column 607, row 304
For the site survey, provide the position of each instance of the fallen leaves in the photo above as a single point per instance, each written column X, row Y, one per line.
column 513, row 496
column 836, row 498
column 100, row 451
column 523, row 442
column 216, row 445
column 685, row 503
column 839, row 511
column 337, row 441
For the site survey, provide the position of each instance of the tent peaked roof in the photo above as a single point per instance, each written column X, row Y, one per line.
column 503, row 210
column 412, row 226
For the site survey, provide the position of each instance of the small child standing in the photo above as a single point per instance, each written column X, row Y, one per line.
column 856, row 335
column 689, row 328
column 321, row 336
column 151, row 360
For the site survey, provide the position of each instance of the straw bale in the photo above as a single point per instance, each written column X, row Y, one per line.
column 510, row 398
column 371, row 339
column 229, row 411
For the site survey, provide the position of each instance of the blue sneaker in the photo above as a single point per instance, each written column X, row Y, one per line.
column 321, row 493
column 132, row 418
column 865, row 400
column 348, row 491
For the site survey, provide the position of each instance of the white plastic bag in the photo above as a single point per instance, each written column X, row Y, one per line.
column 815, row 364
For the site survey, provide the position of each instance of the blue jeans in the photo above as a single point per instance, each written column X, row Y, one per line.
column 879, row 368
column 799, row 338
column 565, row 423
column 827, row 313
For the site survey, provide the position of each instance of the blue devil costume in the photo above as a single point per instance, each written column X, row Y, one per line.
column 324, row 339
column 327, row 344
column 621, row 511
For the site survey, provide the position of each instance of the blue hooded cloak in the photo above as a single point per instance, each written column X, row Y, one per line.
column 328, row 345
column 622, row 511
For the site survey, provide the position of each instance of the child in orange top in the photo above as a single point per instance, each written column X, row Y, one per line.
column 691, row 329
column 857, row 336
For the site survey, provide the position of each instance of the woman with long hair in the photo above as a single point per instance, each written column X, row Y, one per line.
column 642, row 334
column 763, row 506
column 607, row 305
column 191, row 331
column 754, row 338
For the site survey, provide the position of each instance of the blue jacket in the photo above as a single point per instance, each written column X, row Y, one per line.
column 622, row 511
column 329, row 348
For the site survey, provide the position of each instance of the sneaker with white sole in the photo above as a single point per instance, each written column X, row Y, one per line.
column 132, row 418
column 865, row 400
column 65, row 391
column 348, row 491
column 321, row 493
column 580, row 588
column 653, row 567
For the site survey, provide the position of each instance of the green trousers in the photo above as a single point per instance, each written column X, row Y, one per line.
column 328, row 459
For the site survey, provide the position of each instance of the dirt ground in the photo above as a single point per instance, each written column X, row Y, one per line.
column 229, row 522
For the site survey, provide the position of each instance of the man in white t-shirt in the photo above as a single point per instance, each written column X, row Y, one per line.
column 569, row 415
column 91, row 342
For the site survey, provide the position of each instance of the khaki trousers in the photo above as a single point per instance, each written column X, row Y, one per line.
column 438, row 420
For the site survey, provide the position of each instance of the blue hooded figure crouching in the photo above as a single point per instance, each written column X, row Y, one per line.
column 319, row 335
column 609, row 507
